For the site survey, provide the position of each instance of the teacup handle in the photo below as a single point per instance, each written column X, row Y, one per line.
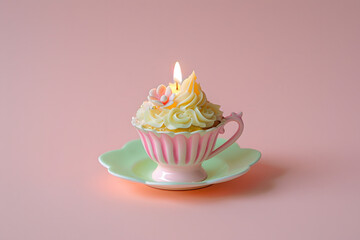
column 236, row 118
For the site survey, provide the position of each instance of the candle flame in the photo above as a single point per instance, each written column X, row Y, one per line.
column 177, row 73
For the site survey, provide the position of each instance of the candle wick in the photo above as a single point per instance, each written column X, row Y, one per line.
column 177, row 86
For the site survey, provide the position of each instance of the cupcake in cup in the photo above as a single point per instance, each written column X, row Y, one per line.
column 178, row 128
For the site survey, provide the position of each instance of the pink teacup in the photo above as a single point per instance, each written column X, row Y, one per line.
column 179, row 155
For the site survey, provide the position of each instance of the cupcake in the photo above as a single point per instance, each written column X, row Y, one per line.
column 184, row 110
column 178, row 127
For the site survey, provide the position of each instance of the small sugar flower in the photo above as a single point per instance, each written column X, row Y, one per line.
column 162, row 96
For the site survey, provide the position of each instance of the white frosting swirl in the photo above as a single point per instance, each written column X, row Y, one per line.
column 191, row 108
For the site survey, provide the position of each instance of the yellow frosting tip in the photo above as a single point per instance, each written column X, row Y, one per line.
column 192, row 75
column 190, row 84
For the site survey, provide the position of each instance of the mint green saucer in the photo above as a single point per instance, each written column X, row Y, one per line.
column 132, row 163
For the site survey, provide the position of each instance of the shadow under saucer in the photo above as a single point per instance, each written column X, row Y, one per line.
column 259, row 180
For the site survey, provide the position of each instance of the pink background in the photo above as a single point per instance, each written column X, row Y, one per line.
column 73, row 73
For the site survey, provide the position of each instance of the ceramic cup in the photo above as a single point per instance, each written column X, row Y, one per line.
column 179, row 155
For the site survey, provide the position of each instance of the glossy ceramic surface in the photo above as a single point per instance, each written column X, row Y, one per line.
column 132, row 163
column 180, row 155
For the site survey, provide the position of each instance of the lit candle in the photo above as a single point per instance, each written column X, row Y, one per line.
column 177, row 75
